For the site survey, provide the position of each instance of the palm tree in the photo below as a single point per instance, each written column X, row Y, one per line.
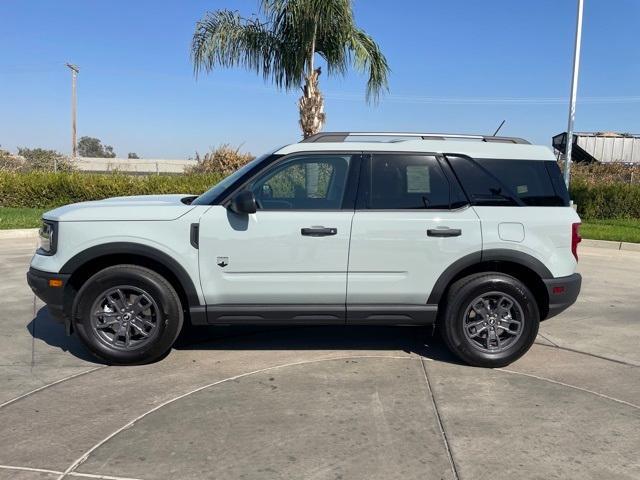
column 283, row 46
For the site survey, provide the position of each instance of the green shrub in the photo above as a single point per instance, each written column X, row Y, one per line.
column 607, row 200
column 48, row 190
column 223, row 160
column 42, row 160
column 600, row 173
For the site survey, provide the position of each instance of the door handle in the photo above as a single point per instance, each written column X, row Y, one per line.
column 318, row 231
column 444, row 232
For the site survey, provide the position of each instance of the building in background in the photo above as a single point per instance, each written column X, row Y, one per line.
column 602, row 147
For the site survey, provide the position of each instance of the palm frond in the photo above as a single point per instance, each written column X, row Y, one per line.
column 368, row 58
column 225, row 39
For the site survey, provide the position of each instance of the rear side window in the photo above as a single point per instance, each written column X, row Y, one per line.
column 511, row 182
column 401, row 181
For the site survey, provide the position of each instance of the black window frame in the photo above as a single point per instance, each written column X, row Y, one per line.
column 351, row 184
column 363, row 197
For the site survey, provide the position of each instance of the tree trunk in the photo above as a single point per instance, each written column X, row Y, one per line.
column 311, row 105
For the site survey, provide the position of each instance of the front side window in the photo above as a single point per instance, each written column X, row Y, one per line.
column 405, row 181
column 315, row 182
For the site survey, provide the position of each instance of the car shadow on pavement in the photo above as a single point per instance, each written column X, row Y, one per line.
column 417, row 340
column 44, row 327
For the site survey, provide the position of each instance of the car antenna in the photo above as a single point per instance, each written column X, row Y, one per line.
column 498, row 129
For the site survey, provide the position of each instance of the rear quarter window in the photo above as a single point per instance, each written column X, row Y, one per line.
column 499, row 182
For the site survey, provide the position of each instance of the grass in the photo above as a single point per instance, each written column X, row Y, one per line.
column 625, row 230
column 620, row 230
column 20, row 217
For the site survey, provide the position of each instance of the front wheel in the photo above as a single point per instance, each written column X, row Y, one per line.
column 127, row 314
column 490, row 320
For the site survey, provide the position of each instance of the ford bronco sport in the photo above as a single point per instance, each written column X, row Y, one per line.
column 474, row 234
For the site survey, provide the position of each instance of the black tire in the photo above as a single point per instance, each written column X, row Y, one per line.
column 163, row 317
column 477, row 348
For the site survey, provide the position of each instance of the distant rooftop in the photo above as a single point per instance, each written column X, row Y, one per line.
column 603, row 147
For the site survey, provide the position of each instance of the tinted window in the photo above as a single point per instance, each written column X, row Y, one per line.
column 305, row 183
column 407, row 182
column 511, row 182
column 481, row 187
column 557, row 180
column 528, row 179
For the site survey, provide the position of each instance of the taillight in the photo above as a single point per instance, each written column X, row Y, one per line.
column 575, row 239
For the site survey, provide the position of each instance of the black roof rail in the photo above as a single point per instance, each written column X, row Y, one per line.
column 339, row 137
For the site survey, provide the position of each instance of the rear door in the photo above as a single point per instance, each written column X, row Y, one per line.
column 412, row 221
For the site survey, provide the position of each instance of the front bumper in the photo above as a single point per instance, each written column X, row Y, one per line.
column 562, row 292
column 39, row 282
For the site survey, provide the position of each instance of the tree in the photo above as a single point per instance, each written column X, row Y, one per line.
column 41, row 160
column 283, row 46
column 132, row 155
column 92, row 147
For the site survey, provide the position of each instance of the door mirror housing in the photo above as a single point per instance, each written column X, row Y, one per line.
column 243, row 203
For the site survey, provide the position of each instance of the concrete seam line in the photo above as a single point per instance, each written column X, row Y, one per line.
column 85, row 456
column 600, row 357
column 447, row 447
column 70, row 377
column 57, row 472
column 575, row 387
column 547, row 339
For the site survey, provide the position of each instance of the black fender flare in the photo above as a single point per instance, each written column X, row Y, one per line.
column 144, row 251
column 491, row 255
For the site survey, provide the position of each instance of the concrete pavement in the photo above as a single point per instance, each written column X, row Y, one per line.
column 326, row 402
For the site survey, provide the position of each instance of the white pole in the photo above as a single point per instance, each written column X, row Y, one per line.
column 74, row 115
column 574, row 94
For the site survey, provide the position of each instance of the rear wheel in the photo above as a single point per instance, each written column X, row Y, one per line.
column 490, row 320
column 127, row 314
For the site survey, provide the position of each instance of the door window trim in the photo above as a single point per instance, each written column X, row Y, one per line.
column 351, row 183
column 365, row 175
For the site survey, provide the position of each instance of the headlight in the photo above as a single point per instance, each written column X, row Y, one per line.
column 48, row 237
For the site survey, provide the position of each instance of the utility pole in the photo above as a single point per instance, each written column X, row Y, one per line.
column 574, row 94
column 74, row 114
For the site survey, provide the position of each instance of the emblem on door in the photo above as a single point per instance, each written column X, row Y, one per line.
column 222, row 261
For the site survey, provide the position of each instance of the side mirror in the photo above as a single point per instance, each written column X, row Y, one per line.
column 244, row 202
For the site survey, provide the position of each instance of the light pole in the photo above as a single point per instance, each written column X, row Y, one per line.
column 574, row 94
column 74, row 141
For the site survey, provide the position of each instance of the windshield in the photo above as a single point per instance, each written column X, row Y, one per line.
column 208, row 197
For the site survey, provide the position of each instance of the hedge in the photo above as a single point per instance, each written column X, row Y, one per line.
column 48, row 190
column 613, row 200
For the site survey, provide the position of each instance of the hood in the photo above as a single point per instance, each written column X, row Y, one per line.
column 142, row 207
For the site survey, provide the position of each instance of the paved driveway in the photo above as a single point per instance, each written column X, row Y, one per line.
column 326, row 403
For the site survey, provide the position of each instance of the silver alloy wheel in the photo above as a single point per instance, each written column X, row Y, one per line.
column 125, row 317
column 493, row 322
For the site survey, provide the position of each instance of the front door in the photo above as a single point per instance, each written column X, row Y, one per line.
column 288, row 261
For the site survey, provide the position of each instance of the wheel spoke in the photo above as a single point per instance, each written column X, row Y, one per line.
column 474, row 324
column 140, row 330
column 478, row 332
column 137, row 305
column 107, row 324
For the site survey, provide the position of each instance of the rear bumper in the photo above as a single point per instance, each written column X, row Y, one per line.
column 562, row 292
column 52, row 296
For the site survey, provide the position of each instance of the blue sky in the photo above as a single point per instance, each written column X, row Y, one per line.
column 457, row 66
